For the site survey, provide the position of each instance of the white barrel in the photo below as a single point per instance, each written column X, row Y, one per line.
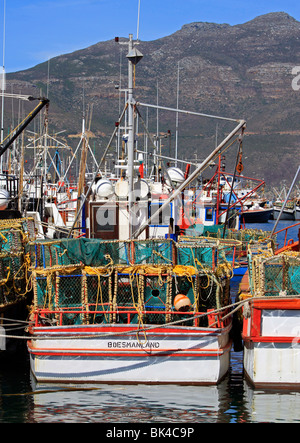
column 176, row 175
column 4, row 199
column 141, row 189
column 104, row 188
column 122, row 188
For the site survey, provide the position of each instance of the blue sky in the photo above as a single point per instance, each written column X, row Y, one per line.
column 36, row 30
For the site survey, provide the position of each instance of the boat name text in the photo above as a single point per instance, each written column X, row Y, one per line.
column 134, row 344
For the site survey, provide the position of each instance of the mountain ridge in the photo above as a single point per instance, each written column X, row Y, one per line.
column 240, row 71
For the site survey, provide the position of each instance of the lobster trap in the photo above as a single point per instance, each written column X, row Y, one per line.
column 122, row 282
column 273, row 275
column 14, row 280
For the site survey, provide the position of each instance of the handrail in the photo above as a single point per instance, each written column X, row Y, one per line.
column 286, row 230
column 40, row 313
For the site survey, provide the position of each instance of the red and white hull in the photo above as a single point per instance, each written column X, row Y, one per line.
column 121, row 354
column 271, row 334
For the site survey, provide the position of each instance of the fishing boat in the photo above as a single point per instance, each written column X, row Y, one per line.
column 288, row 212
column 271, row 291
column 130, row 312
column 227, row 199
column 256, row 214
column 242, row 191
column 297, row 208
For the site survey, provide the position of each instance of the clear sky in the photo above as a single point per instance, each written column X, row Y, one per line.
column 36, row 30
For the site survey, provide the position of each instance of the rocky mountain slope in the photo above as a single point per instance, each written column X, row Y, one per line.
column 241, row 71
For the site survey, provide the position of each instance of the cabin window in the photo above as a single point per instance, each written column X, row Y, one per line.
column 209, row 214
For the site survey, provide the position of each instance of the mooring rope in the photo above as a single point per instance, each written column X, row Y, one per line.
column 236, row 305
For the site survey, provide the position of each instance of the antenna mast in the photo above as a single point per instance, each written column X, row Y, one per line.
column 138, row 20
column 3, row 84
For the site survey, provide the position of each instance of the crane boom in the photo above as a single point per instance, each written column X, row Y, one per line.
column 20, row 128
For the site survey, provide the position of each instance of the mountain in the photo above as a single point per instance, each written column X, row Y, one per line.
column 242, row 71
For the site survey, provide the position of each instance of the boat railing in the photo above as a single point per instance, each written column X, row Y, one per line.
column 286, row 242
column 125, row 315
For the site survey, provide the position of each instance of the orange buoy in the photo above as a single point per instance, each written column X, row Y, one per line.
column 182, row 302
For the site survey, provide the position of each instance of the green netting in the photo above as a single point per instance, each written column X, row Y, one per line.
column 281, row 276
column 208, row 252
column 273, row 275
column 189, row 253
column 214, row 229
column 94, row 252
column 154, row 251
column 45, row 253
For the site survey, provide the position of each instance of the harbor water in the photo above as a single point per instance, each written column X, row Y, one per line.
column 232, row 401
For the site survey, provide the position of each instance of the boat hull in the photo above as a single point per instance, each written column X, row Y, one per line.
column 286, row 215
column 271, row 335
column 180, row 355
column 259, row 216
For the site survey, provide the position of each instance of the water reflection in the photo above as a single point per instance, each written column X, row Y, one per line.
column 128, row 403
column 22, row 400
column 273, row 406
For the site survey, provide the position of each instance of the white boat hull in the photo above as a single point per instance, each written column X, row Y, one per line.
column 272, row 343
column 286, row 214
column 184, row 355
column 272, row 364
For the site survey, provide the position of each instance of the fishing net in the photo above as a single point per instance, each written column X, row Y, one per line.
column 94, row 252
column 14, row 235
column 90, row 282
column 208, row 252
column 273, row 275
column 243, row 236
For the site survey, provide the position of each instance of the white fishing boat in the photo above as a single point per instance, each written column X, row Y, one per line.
column 298, row 209
column 271, row 330
column 143, row 317
column 284, row 205
column 131, row 306
column 288, row 212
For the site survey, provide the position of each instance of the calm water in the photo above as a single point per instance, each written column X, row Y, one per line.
column 233, row 401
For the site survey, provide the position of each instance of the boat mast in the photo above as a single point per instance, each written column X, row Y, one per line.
column 3, row 86
column 130, row 145
column 133, row 56
column 176, row 138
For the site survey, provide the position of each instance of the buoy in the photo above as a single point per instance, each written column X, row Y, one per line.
column 182, row 302
column 4, row 199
